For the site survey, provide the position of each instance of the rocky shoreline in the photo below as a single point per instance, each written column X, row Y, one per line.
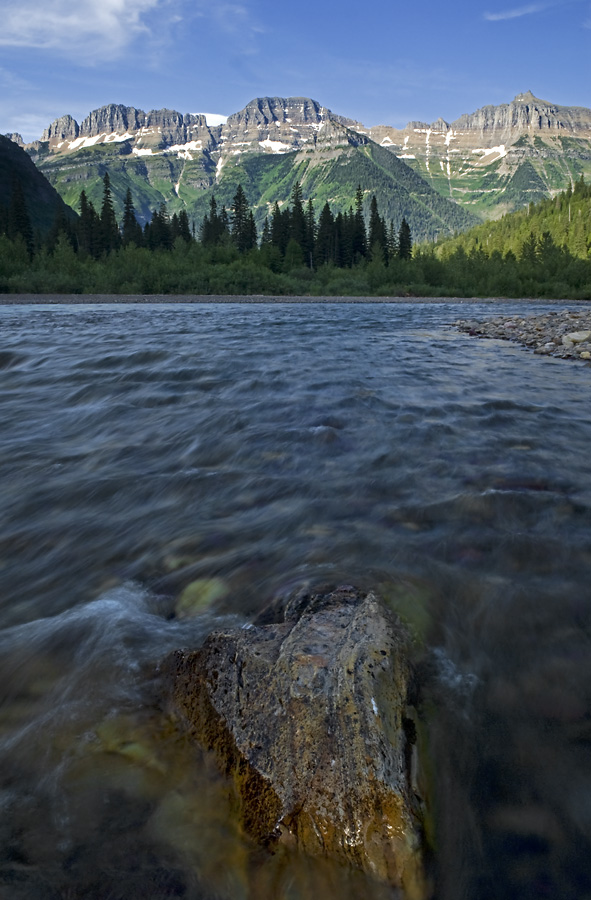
column 564, row 334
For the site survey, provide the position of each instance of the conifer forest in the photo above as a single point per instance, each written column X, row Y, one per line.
column 542, row 251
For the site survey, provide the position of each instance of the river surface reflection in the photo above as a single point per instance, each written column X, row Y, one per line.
column 255, row 449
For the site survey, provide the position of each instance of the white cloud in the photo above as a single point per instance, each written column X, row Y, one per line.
column 94, row 30
column 234, row 18
column 516, row 13
column 80, row 26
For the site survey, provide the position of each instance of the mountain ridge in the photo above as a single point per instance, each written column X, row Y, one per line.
column 481, row 159
column 489, row 162
column 167, row 157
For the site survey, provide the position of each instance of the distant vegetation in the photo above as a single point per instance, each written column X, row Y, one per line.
column 331, row 174
column 565, row 219
column 541, row 252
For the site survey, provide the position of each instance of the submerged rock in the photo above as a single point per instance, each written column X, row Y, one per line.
column 310, row 717
column 200, row 595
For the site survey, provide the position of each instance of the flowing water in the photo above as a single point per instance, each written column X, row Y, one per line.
column 248, row 450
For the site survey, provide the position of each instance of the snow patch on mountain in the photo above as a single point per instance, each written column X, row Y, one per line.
column 213, row 119
column 274, row 146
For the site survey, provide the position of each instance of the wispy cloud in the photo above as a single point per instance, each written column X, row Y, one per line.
column 235, row 22
column 89, row 30
column 86, row 26
column 11, row 81
column 517, row 12
column 234, row 18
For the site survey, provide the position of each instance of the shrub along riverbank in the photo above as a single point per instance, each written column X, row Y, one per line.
column 190, row 268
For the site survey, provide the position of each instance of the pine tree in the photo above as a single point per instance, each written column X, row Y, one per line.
column 310, row 239
column 184, row 227
column 175, row 230
column 392, row 241
column 157, row 233
column 266, row 234
column 110, row 239
column 358, row 232
column 224, row 224
column 325, row 237
column 579, row 189
column 89, row 226
column 279, row 228
column 348, row 238
column 378, row 241
column 213, row 226
column 251, row 231
column 131, row 232
column 404, row 240
column 529, row 250
column 243, row 229
column 297, row 224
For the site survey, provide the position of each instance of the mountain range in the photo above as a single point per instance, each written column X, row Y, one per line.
column 442, row 177
column 498, row 158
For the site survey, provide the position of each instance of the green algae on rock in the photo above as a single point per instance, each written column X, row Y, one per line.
column 200, row 595
column 310, row 718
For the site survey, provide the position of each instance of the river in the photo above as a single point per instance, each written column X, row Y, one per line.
column 254, row 449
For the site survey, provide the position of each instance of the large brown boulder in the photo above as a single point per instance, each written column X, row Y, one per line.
column 310, row 718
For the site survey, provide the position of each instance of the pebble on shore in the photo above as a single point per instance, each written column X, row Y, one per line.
column 564, row 334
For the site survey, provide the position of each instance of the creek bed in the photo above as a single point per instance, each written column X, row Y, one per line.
column 250, row 450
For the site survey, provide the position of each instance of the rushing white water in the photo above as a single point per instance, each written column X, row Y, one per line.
column 268, row 446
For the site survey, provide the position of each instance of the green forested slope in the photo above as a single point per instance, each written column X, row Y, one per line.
column 565, row 220
column 330, row 176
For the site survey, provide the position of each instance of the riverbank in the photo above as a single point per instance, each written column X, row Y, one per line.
column 565, row 334
column 25, row 299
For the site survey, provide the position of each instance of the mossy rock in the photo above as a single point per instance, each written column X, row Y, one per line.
column 199, row 596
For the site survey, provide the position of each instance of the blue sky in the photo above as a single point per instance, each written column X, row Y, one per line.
column 384, row 62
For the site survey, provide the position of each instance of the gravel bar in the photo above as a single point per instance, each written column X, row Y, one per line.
column 564, row 334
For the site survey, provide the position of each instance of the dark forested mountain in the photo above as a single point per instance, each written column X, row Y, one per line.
column 166, row 157
column 22, row 183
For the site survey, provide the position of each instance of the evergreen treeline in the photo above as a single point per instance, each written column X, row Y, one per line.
column 565, row 218
column 297, row 252
column 292, row 237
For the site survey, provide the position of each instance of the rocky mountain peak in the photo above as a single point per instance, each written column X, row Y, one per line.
column 15, row 137
column 112, row 119
column 282, row 125
column 115, row 122
column 528, row 97
column 526, row 113
column 267, row 110
column 63, row 129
